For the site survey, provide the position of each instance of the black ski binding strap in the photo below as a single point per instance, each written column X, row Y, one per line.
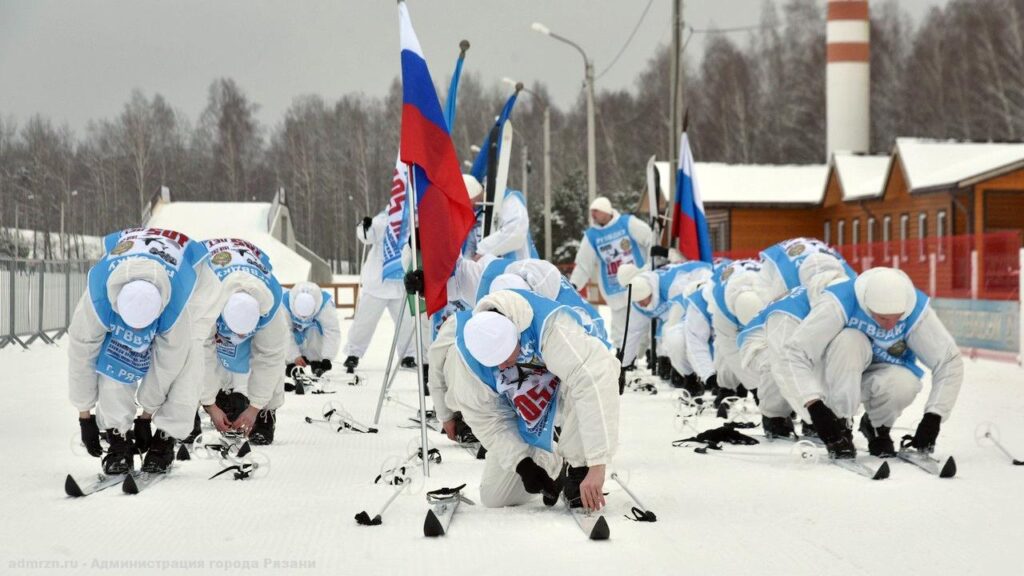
column 642, row 515
column 445, row 494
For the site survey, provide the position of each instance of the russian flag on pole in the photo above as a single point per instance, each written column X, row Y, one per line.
column 396, row 233
column 688, row 222
column 444, row 212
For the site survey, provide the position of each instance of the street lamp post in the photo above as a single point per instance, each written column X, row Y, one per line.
column 589, row 81
column 547, row 167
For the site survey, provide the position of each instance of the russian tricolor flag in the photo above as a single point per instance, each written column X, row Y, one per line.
column 444, row 213
column 688, row 222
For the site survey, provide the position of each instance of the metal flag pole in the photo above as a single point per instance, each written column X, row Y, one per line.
column 386, row 382
column 414, row 227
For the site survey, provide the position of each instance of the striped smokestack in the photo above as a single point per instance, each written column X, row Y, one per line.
column 848, row 76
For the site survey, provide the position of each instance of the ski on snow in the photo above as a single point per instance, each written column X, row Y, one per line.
column 443, row 504
column 928, row 464
column 100, row 481
column 592, row 523
column 135, row 483
column 849, row 464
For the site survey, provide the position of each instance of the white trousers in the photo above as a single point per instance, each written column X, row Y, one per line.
column 500, row 487
column 172, row 404
column 673, row 345
column 368, row 312
column 639, row 333
column 850, row 378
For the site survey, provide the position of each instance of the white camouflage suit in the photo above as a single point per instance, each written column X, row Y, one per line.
column 588, row 401
column 510, row 235
column 825, row 360
column 264, row 383
column 588, row 268
column 376, row 295
column 317, row 346
column 171, row 388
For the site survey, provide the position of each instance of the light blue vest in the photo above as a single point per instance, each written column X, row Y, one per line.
column 795, row 304
column 592, row 321
column 535, row 406
column 887, row 346
column 789, row 255
column 701, row 305
column 614, row 247
column 125, row 355
column 299, row 326
column 229, row 255
column 666, row 277
column 494, row 269
column 438, row 318
column 721, row 280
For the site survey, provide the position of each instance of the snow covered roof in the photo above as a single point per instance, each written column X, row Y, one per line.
column 246, row 220
column 761, row 183
column 860, row 177
column 931, row 164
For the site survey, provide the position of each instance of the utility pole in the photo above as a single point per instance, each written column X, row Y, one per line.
column 676, row 97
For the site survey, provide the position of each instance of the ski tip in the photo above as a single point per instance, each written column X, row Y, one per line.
column 948, row 469
column 71, row 488
column 183, row 453
column 600, row 530
column 882, row 473
column 432, row 526
column 244, row 450
column 371, row 430
column 129, row 486
column 1018, row 462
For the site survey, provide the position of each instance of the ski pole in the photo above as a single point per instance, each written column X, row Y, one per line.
column 363, row 519
column 625, row 336
column 988, row 435
column 640, row 512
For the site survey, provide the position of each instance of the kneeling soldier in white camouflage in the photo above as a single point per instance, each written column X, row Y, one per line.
column 516, row 367
column 136, row 336
column 244, row 384
column 316, row 334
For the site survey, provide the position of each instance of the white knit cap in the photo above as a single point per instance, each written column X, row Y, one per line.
column 641, row 288
column 747, row 305
column 139, row 303
column 304, row 305
column 602, row 204
column 887, row 291
column 626, row 273
column 473, row 186
column 509, row 282
column 491, row 337
column 241, row 313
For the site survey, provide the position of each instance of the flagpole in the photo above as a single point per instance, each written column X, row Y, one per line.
column 386, row 382
column 413, row 233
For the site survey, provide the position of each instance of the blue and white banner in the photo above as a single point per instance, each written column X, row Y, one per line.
column 397, row 230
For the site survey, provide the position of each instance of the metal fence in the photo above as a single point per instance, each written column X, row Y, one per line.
column 38, row 297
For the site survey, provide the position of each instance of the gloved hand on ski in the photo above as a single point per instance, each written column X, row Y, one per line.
column 926, row 434
column 537, row 481
column 320, row 367
column 91, row 435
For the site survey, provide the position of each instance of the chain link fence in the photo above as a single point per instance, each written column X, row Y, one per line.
column 38, row 297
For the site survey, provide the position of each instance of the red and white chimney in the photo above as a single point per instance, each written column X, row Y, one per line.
column 848, row 76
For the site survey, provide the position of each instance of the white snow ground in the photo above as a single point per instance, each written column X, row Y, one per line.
column 748, row 510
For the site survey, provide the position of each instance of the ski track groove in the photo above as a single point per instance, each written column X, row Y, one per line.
column 755, row 510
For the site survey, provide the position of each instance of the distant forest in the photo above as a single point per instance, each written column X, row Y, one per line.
column 753, row 97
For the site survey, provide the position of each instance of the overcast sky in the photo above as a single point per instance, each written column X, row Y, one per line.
column 78, row 60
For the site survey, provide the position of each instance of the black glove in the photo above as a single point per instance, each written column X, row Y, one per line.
column 320, row 366
column 657, row 251
column 536, row 480
column 414, row 282
column 91, row 435
column 825, row 422
column 722, row 393
column 724, row 434
column 143, row 434
column 367, row 222
column 927, row 432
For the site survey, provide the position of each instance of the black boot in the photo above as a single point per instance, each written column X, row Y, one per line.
column 573, row 478
column 119, row 456
column 263, row 430
column 807, row 430
column 664, row 367
column 350, row 364
column 160, row 455
column 677, row 380
column 408, row 362
column 197, row 429
column 463, row 433
column 777, row 427
column 879, row 441
column 692, row 385
column 142, row 434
